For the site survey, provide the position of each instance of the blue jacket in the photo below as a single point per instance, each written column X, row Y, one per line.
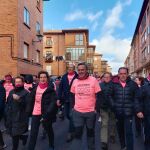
column 64, row 88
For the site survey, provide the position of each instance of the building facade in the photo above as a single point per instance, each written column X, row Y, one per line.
column 66, row 46
column 21, row 29
column 138, row 60
column 97, row 64
column 62, row 47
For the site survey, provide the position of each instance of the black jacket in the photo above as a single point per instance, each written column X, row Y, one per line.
column 122, row 99
column 64, row 88
column 2, row 100
column 48, row 104
column 143, row 101
column 16, row 117
column 106, row 89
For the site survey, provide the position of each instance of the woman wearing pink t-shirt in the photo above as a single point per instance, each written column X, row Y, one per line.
column 42, row 106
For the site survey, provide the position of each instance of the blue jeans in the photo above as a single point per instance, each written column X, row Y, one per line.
column 68, row 114
column 125, row 131
column 147, row 132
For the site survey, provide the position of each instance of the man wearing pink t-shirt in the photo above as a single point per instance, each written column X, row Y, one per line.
column 84, row 90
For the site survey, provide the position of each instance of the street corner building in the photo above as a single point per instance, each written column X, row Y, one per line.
column 61, row 47
column 21, row 29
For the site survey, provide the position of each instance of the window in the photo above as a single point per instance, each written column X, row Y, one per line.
column 38, row 27
column 143, row 23
column 148, row 30
column 49, row 41
column 75, row 54
column 89, row 60
column 26, row 17
column 38, row 1
column 38, row 56
column 38, row 5
column 96, row 66
column 49, row 70
column 145, row 35
column 148, row 49
column 49, row 56
column 147, row 12
column 25, row 50
column 144, row 53
column 79, row 39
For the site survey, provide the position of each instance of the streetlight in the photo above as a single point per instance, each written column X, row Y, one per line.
column 40, row 37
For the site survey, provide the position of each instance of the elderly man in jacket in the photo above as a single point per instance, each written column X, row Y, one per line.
column 64, row 97
column 122, row 101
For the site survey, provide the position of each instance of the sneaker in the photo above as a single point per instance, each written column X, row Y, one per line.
column 51, row 148
column 3, row 146
column 24, row 140
column 69, row 137
column 124, row 148
column 104, row 146
column 112, row 139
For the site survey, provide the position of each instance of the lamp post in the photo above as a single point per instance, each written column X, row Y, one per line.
column 40, row 37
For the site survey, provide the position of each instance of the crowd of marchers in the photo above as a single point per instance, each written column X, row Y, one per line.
column 119, row 102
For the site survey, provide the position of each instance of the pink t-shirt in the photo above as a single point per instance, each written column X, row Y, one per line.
column 38, row 99
column 123, row 84
column 8, row 87
column 85, row 91
column 70, row 77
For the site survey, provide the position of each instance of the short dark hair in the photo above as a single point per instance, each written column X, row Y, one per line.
column 84, row 64
column 19, row 77
column 140, row 79
column 43, row 72
column 125, row 68
column 109, row 73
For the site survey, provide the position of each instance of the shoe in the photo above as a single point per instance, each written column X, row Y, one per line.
column 69, row 137
column 124, row 148
column 112, row 139
column 104, row 146
column 3, row 130
column 24, row 140
column 3, row 146
column 51, row 148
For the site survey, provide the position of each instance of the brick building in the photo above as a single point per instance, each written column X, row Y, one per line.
column 21, row 27
column 97, row 64
column 104, row 65
column 138, row 60
column 62, row 47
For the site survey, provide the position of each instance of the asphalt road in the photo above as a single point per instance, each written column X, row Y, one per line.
column 60, row 129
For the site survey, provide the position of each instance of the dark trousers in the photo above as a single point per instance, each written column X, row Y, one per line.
column 80, row 120
column 1, row 139
column 125, row 131
column 35, row 129
column 138, row 126
column 1, row 136
column 15, row 140
column 147, row 132
column 68, row 114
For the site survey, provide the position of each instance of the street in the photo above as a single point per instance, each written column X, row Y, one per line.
column 60, row 129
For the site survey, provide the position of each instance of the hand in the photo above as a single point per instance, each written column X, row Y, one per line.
column 16, row 97
column 58, row 103
column 140, row 115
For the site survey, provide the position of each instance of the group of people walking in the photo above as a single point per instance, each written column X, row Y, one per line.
column 115, row 100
